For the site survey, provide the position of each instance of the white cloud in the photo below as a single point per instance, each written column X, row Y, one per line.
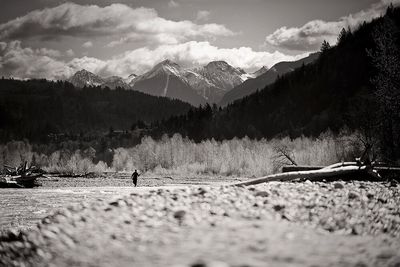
column 310, row 36
column 88, row 63
column 189, row 54
column 203, row 15
column 173, row 3
column 306, row 38
column 20, row 62
column 87, row 44
column 26, row 62
column 119, row 21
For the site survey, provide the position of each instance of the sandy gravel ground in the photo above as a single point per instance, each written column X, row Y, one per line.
column 275, row 224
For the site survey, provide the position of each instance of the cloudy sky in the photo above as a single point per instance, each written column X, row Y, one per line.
column 53, row 39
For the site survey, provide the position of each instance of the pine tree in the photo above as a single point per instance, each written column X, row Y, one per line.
column 325, row 46
column 342, row 36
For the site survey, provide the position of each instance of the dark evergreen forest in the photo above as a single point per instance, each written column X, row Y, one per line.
column 35, row 109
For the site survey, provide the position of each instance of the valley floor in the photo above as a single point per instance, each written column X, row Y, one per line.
column 274, row 224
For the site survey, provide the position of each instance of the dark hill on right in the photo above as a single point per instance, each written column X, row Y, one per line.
column 250, row 86
column 340, row 89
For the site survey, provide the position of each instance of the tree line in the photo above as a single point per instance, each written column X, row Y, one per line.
column 39, row 109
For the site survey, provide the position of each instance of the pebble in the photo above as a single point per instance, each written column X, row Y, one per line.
column 278, row 207
column 353, row 195
column 262, row 194
column 180, row 214
column 338, row 186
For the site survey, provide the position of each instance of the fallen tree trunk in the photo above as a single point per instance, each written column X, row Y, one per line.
column 300, row 168
column 381, row 169
column 312, row 175
column 312, row 168
column 342, row 164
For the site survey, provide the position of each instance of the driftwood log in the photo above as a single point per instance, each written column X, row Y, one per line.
column 300, row 168
column 311, row 175
column 380, row 168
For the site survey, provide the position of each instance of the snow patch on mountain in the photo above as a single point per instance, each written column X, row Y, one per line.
column 130, row 78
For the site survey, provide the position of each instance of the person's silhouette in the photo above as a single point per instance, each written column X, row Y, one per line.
column 135, row 176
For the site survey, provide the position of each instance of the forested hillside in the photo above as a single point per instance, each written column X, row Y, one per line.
column 344, row 87
column 250, row 86
column 36, row 108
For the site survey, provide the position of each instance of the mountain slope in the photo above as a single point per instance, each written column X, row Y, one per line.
column 268, row 77
column 165, row 79
column 214, row 80
column 203, row 87
column 222, row 75
column 259, row 72
column 115, row 81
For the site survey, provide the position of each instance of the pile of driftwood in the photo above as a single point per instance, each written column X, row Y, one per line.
column 361, row 169
column 22, row 176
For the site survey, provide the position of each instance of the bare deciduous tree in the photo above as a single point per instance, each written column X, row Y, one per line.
column 283, row 156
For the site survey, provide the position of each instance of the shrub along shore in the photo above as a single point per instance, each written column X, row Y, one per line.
column 177, row 155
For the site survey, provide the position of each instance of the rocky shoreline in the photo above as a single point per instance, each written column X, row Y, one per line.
column 279, row 224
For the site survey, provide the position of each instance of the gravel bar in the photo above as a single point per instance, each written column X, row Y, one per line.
column 274, row 224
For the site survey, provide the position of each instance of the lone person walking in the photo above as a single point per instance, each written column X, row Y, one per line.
column 134, row 177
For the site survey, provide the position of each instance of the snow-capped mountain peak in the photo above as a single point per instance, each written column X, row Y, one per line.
column 223, row 75
column 195, row 85
column 166, row 67
column 130, row 78
column 168, row 62
column 84, row 78
column 220, row 66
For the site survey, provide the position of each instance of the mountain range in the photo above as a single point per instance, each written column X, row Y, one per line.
column 86, row 78
column 217, row 82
